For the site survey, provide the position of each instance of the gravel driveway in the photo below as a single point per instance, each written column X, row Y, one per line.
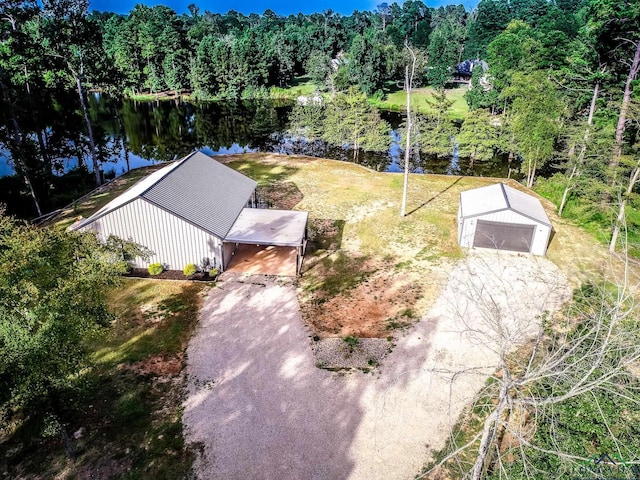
column 262, row 410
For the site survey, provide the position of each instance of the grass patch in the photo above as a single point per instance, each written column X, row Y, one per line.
column 397, row 100
column 592, row 217
column 299, row 86
column 340, row 273
column 354, row 214
column 263, row 173
column 131, row 422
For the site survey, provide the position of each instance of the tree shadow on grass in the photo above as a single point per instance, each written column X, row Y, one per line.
column 424, row 204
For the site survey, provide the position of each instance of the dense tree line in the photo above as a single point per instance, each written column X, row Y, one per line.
column 558, row 93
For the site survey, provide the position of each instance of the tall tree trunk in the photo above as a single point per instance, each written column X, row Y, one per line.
column 407, row 146
column 92, row 144
column 488, row 433
column 568, row 187
column 408, row 84
column 624, row 108
column 18, row 139
column 36, row 124
column 633, row 179
column 22, row 167
column 594, row 99
column 583, row 150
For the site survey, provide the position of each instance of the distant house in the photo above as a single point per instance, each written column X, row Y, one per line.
column 502, row 218
column 315, row 99
column 463, row 71
column 196, row 210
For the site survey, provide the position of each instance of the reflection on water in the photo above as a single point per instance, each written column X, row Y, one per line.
column 132, row 134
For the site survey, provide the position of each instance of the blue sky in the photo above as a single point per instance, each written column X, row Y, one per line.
column 281, row 7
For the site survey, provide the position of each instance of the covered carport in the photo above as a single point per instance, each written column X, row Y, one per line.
column 269, row 242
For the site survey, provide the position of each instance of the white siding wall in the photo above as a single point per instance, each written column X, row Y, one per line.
column 467, row 229
column 175, row 242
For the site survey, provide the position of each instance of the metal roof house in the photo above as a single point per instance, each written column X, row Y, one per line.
column 503, row 218
column 185, row 212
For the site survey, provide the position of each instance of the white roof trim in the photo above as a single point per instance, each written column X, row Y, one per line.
column 131, row 193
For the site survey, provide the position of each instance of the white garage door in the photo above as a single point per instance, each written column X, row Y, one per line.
column 504, row 236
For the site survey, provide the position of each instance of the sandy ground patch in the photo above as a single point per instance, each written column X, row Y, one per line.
column 261, row 409
column 380, row 303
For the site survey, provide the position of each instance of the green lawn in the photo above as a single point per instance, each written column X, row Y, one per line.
column 299, row 86
column 358, row 238
column 397, row 100
column 128, row 401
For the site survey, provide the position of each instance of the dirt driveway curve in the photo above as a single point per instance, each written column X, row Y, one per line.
column 261, row 409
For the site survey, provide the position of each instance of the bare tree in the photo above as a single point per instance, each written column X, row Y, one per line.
column 634, row 67
column 409, row 73
column 539, row 362
column 579, row 159
column 633, row 178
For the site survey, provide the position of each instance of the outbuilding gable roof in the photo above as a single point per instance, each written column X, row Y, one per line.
column 197, row 188
column 498, row 197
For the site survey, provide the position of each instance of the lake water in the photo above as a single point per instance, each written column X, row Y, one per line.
column 163, row 131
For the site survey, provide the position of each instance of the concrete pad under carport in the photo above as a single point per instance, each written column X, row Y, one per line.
column 274, row 240
column 264, row 260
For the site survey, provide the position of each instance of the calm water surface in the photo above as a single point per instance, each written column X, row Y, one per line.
column 131, row 134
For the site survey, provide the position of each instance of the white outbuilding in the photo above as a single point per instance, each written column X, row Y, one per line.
column 199, row 211
column 503, row 218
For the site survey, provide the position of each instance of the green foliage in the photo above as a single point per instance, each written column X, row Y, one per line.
column 189, row 269
column 478, row 138
column 307, row 121
column 492, row 16
column 52, row 296
column 213, row 273
column 481, row 94
column 367, row 62
column 351, row 341
column 127, row 250
column 155, row 269
column 513, row 51
column 536, row 119
column 433, row 133
column 318, row 67
column 445, row 44
column 350, row 120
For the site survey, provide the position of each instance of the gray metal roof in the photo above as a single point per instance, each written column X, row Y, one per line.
column 498, row 197
column 197, row 188
column 269, row 227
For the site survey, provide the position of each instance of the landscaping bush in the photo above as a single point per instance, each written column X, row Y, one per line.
column 189, row 269
column 155, row 269
column 213, row 273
